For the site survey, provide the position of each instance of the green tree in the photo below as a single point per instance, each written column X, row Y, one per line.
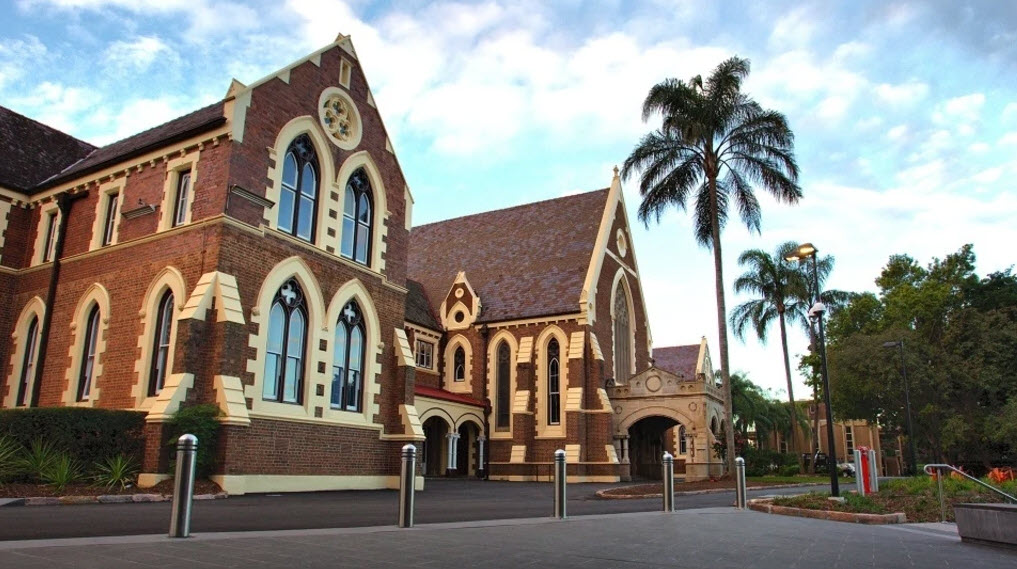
column 713, row 146
column 779, row 288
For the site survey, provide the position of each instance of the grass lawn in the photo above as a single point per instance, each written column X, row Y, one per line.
column 917, row 497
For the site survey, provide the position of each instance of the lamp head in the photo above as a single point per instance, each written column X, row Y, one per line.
column 804, row 251
column 817, row 310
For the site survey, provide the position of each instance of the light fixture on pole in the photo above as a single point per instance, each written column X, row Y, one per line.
column 803, row 252
column 913, row 467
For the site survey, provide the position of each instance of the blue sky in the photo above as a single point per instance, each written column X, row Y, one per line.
column 905, row 112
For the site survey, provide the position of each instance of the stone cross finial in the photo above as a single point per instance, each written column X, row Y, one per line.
column 616, row 171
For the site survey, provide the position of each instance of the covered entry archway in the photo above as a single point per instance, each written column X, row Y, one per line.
column 648, row 439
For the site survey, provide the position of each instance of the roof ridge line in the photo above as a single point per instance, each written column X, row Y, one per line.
column 509, row 208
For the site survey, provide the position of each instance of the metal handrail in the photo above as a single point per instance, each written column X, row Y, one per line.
column 939, row 481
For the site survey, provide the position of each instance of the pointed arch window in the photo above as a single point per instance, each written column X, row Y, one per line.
column 503, row 386
column 348, row 359
column 161, row 344
column 553, row 382
column 287, row 336
column 298, row 197
column 87, row 372
column 357, row 218
column 28, row 363
column 622, row 336
column 459, row 364
column 683, row 444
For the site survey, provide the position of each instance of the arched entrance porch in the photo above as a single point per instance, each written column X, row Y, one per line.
column 649, row 438
column 436, row 431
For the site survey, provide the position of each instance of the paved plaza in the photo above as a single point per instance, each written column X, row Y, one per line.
column 712, row 537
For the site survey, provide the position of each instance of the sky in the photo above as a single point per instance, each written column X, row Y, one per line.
column 905, row 112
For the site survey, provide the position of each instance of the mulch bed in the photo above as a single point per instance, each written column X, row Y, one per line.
column 658, row 487
column 17, row 490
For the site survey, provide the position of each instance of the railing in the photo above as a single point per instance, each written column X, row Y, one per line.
column 939, row 468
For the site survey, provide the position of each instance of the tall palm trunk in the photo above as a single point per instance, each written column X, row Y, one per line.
column 790, row 388
column 725, row 368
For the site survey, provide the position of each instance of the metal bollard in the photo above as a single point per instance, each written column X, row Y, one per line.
column 559, row 484
column 407, row 486
column 859, row 473
column 668, row 474
column 183, row 491
column 740, row 493
column 942, row 502
column 873, row 471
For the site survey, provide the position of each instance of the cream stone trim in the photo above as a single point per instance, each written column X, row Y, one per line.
column 95, row 295
column 15, row 197
column 612, row 454
column 229, row 395
column 465, row 386
column 408, row 200
column 412, row 425
column 342, row 42
column 576, row 344
column 470, row 312
column 173, row 393
column 357, row 124
column 571, row 478
column 5, row 209
column 379, row 229
column 453, row 413
column 169, row 278
column 373, row 352
column 574, row 399
column 622, row 423
column 240, row 484
column 174, row 168
column 521, row 402
column 345, row 72
column 404, row 355
column 544, row 429
column 238, row 100
column 326, row 186
column 572, row 453
column 105, row 192
column 217, row 286
column 605, row 401
column 622, row 263
column 525, row 355
column 518, row 454
column 34, row 308
column 555, row 319
column 620, row 279
column 492, row 384
column 598, row 354
column 45, row 210
column 149, row 479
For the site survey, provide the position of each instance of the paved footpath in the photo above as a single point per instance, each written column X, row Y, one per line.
column 713, row 538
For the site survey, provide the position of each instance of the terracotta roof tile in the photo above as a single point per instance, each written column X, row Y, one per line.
column 33, row 151
column 418, row 308
column 680, row 360
column 524, row 261
column 435, row 393
column 180, row 128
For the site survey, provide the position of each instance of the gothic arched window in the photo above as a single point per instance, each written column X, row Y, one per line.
column 287, row 333
column 553, row 383
column 28, row 363
column 357, row 219
column 298, row 197
column 459, row 364
column 683, row 445
column 504, row 388
column 622, row 336
column 161, row 344
column 348, row 359
column 87, row 372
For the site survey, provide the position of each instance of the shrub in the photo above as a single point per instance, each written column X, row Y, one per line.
column 116, row 470
column 10, row 454
column 789, row 470
column 200, row 421
column 36, row 460
column 61, row 471
column 86, row 434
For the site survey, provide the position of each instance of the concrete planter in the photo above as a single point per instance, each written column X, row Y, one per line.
column 994, row 524
column 869, row 519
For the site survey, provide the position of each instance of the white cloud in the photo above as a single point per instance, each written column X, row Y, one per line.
column 16, row 55
column 1009, row 138
column 137, row 54
column 1010, row 112
column 988, row 176
column 902, row 94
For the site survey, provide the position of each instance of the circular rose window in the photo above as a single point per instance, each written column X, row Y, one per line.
column 339, row 118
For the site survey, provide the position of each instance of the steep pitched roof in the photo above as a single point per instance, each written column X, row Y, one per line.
column 180, row 128
column 679, row 360
column 33, row 151
column 524, row 261
column 418, row 309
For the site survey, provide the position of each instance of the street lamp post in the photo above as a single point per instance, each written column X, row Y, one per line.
column 804, row 251
column 913, row 467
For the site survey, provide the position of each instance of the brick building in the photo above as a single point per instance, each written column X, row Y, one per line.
column 257, row 254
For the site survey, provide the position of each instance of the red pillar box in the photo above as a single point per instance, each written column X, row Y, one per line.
column 863, row 471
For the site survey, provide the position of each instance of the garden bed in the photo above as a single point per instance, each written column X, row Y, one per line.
column 164, row 488
column 656, row 489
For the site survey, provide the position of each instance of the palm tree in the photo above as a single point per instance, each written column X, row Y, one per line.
column 713, row 145
column 780, row 288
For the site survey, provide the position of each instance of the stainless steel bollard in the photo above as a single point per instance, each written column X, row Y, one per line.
column 740, row 493
column 668, row 474
column 873, row 471
column 859, row 475
column 183, row 490
column 942, row 501
column 407, row 486
column 559, row 484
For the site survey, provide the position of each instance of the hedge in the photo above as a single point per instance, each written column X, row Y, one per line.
column 87, row 434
